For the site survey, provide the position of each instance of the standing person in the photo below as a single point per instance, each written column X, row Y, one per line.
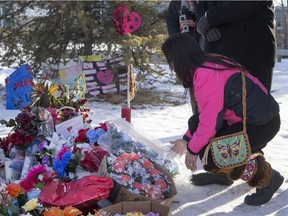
column 179, row 14
column 246, row 33
column 217, row 85
column 181, row 18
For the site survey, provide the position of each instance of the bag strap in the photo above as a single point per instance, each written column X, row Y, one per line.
column 205, row 156
column 244, row 100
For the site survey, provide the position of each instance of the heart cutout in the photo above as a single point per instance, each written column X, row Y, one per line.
column 105, row 77
column 131, row 23
column 124, row 20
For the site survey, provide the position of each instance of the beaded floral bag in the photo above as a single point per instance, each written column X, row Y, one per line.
column 231, row 150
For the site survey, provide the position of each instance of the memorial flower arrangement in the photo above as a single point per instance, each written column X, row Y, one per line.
column 37, row 177
column 138, row 175
column 47, row 94
column 24, row 129
column 67, row 211
column 8, row 197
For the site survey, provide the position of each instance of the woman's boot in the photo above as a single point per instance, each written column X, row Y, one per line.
column 264, row 194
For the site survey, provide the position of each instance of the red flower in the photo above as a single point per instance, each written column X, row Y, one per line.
column 92, row 158
column 82, row 136
column 103, row 126
column 5, row 145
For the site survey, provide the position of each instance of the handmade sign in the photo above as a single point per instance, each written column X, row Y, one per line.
column 124, row 20
column 67, row 76
column 67, row 127
column 19, row 88
column 91, row 58
column 108, row 76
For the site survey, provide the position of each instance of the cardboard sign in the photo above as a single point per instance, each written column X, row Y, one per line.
column 107, row 76
column 19, row 88
column 70, row 126
column 67, row 76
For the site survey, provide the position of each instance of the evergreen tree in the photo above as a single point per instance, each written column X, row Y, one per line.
column 57, row 31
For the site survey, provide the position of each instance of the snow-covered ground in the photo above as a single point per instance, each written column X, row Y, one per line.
column 168, row 122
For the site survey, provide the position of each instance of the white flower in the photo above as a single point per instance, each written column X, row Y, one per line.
column 55, row 141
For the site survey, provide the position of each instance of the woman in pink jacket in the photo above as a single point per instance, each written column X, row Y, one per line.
column 217, row 86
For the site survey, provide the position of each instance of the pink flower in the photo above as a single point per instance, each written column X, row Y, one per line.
column 154, row 172
column 138, row 186
column 32, row 177
column 130, row 156
column 153, row 192
column 62, row 151
column 146, row 164
column 161, row 183
column 118, row 167
column 125, row 178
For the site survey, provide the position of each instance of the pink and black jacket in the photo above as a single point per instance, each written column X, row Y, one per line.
column 219, row 97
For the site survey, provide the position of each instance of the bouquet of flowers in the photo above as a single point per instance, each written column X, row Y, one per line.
column 37, row 177
column 66, row 162
column 46, row 94
column 24, row 129
column 116, row 138
column 8, row 198
column 138, row 175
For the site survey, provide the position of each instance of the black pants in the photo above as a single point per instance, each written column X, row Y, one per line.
column 259, row 135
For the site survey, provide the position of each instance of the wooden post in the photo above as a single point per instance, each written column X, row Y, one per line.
column 126, row 111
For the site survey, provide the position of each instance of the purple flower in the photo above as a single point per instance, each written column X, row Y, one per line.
column 45, row 160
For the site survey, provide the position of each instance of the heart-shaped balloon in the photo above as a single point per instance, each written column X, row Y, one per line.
column 105, row 77
column 124, row 20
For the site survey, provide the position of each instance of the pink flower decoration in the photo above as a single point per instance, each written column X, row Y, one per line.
column 154, row 172
column 147, row 164
column 62, row 151
column 125, row 178
column 130, row 156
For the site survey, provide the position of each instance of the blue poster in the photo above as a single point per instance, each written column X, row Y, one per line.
column 19, row 88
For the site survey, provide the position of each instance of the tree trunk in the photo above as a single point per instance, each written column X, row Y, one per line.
column 88, row 48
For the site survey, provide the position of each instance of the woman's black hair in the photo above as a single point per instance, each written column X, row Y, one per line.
column 186, row 55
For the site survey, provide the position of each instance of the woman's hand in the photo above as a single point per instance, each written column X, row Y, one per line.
column 180, row 146
column 190, row 161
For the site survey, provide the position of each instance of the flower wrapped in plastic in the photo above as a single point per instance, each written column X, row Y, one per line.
column 138, row 175
column 92, row 158
column 121, row 135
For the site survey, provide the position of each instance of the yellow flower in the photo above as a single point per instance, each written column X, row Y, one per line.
column 30, row 205
column 134, row 214
column 53, row 89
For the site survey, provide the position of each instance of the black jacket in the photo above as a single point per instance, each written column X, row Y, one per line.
column 172, row 19
column 247, row 28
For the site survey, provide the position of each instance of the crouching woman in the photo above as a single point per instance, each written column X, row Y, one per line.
column 216, row 83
